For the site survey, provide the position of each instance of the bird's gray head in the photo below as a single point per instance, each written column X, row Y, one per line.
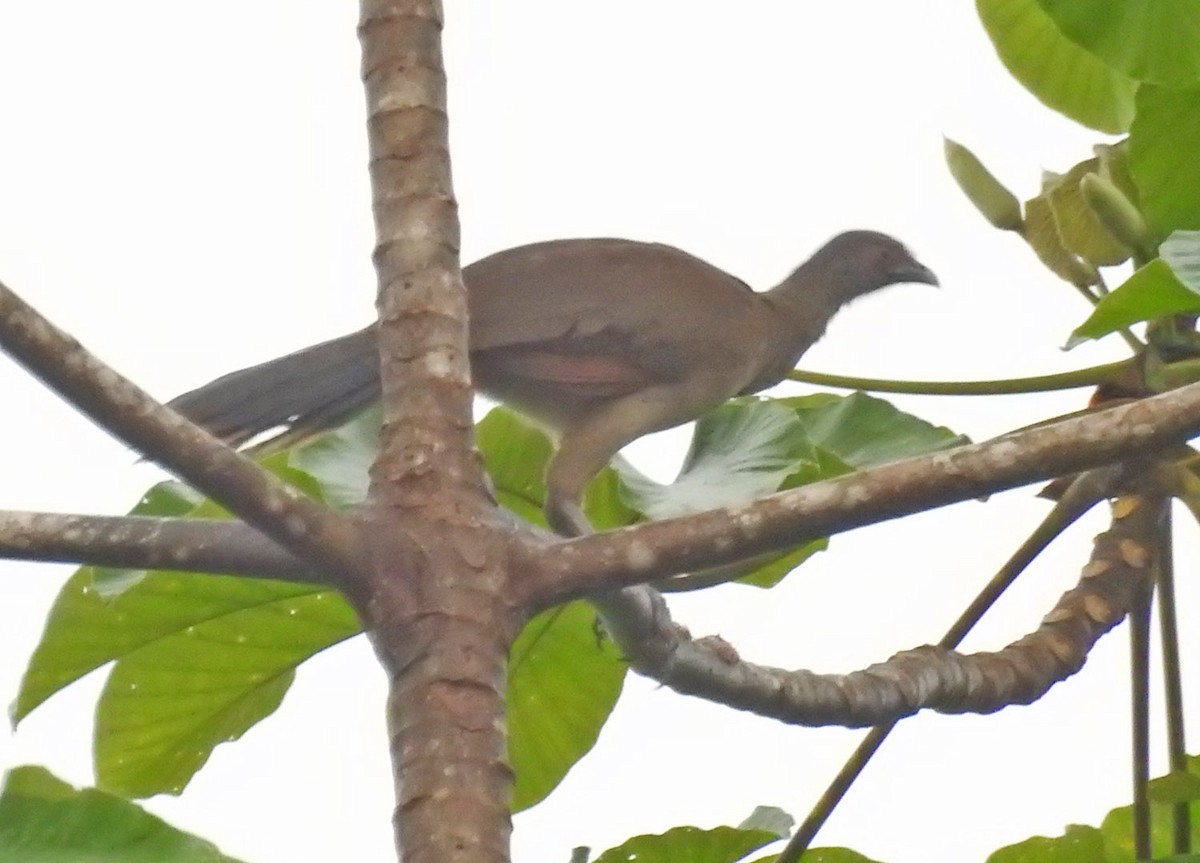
column 858, row 262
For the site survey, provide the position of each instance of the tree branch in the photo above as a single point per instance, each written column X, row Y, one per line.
column 645, row 552
column 923, row 678
column 1079, row 497
column 141, row 542
column 131, row 415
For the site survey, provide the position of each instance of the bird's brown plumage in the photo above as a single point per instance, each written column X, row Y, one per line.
column 603, row 340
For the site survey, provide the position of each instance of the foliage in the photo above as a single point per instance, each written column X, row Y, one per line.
column 45, row 820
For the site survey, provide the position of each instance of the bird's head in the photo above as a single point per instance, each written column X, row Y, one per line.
column 859, row 262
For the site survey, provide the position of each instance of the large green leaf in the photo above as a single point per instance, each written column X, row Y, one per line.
column 167, row 705
column 1157, row 41
column 1064, row 76
column 199, row 660
column 751, row 447
column 1117, row 829
column 691, row 844
column 863, row 431
column 1164, row 157
column 563, row 683
column 1151, row 292
column 45, row 820
column 1181, row 787
column 1113, row 841
column 829, row 855
column 745, row 449
column 1077, row 845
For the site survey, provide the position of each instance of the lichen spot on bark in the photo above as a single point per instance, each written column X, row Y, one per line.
column 640, row 556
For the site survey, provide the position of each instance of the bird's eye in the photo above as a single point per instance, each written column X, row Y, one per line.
column 886, row 258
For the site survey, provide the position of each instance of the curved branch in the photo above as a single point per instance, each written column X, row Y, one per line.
column 1081, row 495
column 644, row 552
column 127, row 412
column 923, row 678
column 141, row 542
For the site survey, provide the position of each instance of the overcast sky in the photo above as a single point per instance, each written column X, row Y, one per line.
column 182, row 186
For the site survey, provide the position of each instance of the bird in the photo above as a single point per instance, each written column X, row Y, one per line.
column 600, row 340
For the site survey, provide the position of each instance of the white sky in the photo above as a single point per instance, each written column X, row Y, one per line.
column 183, row 187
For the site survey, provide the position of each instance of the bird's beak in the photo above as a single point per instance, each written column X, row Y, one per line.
column 914, row 271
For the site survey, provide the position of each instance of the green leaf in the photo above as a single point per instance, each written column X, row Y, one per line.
column 1157, row 41
column 1062, row 75
column 515, row 452
column 340, row 460
column 85, row 631
column 44, row 820
column 1181, row 251
column 564, row 680
column 1042, row 234
column 831, row 855
column 1164, row 158
column 1181, row 787
column 1113, row 842
column 740, row 451
column 168, row 703
column 1078, row 844
column 770, row 818
column 863, row 431
column 1079, row 226
column 748, row 448
column 690, row 844
column 199, row 660
column 1117, row 829
column 1151, row 292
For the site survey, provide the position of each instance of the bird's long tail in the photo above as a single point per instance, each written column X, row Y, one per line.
column 310, row 390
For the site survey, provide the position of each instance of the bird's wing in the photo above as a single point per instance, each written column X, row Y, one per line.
column 652, row 306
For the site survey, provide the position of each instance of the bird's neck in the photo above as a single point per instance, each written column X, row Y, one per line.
column 806, row 301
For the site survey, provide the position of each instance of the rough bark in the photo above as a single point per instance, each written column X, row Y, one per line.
column 436, row 603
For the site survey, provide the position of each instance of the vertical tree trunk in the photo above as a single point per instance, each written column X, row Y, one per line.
column 434, row 602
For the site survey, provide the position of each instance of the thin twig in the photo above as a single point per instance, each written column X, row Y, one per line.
column 1139, row 692
column 1181, row 821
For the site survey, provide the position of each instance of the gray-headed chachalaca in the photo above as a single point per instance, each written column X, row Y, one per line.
column 602, row 340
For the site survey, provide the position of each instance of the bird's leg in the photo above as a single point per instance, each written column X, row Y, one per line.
column 589, row 442
column 566, row 517
column 579, row 457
